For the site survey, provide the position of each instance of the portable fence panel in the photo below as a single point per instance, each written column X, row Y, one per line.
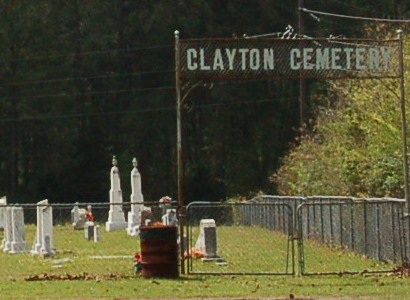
column 359, row 224
column 360, row 248
column 326, row 224
column 347, row 225
column 386, row 232
column 371, row 227
column 317, row 224
column 335, row 222
column 399, row 246
column 242, row 242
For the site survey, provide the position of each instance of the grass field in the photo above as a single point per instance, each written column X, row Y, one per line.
column 76, row 273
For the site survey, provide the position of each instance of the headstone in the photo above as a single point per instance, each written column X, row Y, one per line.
column 78, row 217
column 116, row 217
column 3, row 203
column 164, row 204
column 96, row 233
column 207, row 242
column 89, row 230
column 8, row 233
column 170, row 217
column 18, row 242
column 46, row 251
column 43, row 244
column 137, row 199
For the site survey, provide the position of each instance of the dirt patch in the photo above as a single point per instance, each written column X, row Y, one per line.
column 82, row 276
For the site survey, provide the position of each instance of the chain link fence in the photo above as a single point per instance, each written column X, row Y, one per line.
column 265, row 235
column 242, row 238
column 370, row 228
column 372, row 231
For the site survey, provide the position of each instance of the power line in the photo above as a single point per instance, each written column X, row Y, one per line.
column 105, row 92
column 28, row 82
column 92, row 93
column 87, row 53
column 352, row 17
column 146, row 110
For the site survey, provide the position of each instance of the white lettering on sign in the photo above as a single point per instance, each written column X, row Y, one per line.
column 308, row 58
column 230, row 59
column 336, row 59
column 340, row 58
column 230, row 54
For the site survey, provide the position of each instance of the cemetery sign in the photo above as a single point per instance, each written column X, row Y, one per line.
column 247, row 59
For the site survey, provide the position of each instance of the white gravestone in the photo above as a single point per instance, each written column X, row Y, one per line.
column 3, row 202
column 207, row 242
column 8, row 227
column 89, row 230
column 44, row 235
column 96, row 233
column 78, row 217
column 170, row 218
column 165, row 203
column 134, row 216
column 18, row 243
column 116, row 217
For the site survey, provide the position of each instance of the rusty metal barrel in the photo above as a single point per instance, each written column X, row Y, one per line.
column 159, row 251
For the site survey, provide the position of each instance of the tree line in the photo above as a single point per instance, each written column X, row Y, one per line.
column 81, row 81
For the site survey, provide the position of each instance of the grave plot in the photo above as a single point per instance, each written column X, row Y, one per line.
column 74, row 255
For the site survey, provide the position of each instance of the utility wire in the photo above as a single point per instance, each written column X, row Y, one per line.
column 87, row 53
column 41, row 81
column 147, row 110
column 352, row 17
column 106, row 92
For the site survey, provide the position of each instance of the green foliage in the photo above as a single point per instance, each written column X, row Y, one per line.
column 355, row 147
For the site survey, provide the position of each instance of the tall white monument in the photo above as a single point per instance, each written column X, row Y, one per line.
column 43, row 244
column 116, row 217
column 134, row 216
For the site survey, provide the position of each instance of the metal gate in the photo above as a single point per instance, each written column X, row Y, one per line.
column 364, row 236
column 240, row 238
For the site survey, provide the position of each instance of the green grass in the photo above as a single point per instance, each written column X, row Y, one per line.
column 248, row 249
column 243, row 248
column 74, row 255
